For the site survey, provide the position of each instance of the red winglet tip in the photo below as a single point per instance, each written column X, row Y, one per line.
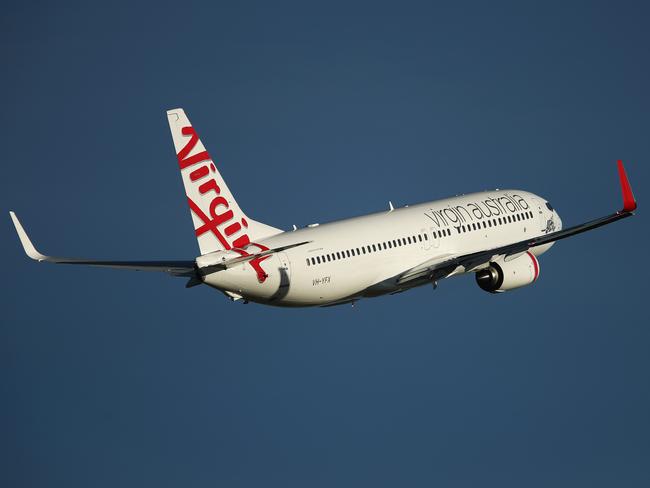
column 629, row 204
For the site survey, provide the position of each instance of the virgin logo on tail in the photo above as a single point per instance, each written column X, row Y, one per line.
column 221, row 217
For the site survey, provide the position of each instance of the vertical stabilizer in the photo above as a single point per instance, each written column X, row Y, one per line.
column 219, row 222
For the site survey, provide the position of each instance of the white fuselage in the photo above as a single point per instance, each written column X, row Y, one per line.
column 364, row 256
column 495, row 234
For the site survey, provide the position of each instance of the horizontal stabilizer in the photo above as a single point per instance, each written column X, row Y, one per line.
column 213, row 268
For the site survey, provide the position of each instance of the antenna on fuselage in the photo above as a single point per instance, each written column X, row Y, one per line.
column 390, row 204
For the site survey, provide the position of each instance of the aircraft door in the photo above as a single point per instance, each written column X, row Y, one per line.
column 436, row 238
column 284, row 268
column 539, row 210
column 426, row 243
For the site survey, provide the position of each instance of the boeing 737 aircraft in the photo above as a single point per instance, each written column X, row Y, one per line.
column 497, row 235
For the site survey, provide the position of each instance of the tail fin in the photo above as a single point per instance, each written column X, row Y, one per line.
column 219, row 222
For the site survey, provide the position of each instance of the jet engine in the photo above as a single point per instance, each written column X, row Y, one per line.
column 507, row 275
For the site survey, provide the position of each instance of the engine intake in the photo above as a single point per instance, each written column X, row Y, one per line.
column 507, row 275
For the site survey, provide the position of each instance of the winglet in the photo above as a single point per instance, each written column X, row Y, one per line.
column 29, row 248
column 629, row 204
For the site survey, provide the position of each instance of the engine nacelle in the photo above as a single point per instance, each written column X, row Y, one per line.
column 507, row 275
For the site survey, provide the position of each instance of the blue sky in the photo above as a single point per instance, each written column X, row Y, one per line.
column 318, row 112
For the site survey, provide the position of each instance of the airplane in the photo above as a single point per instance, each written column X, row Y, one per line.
column 497, row 235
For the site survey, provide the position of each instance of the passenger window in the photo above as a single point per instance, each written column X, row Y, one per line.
column 374, row 248
column 426, row 237
column 307, row 261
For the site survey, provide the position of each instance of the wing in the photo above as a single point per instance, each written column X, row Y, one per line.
column 442, row 266
column 174, row 268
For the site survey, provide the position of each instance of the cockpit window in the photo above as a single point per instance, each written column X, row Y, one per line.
column 549, row 206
